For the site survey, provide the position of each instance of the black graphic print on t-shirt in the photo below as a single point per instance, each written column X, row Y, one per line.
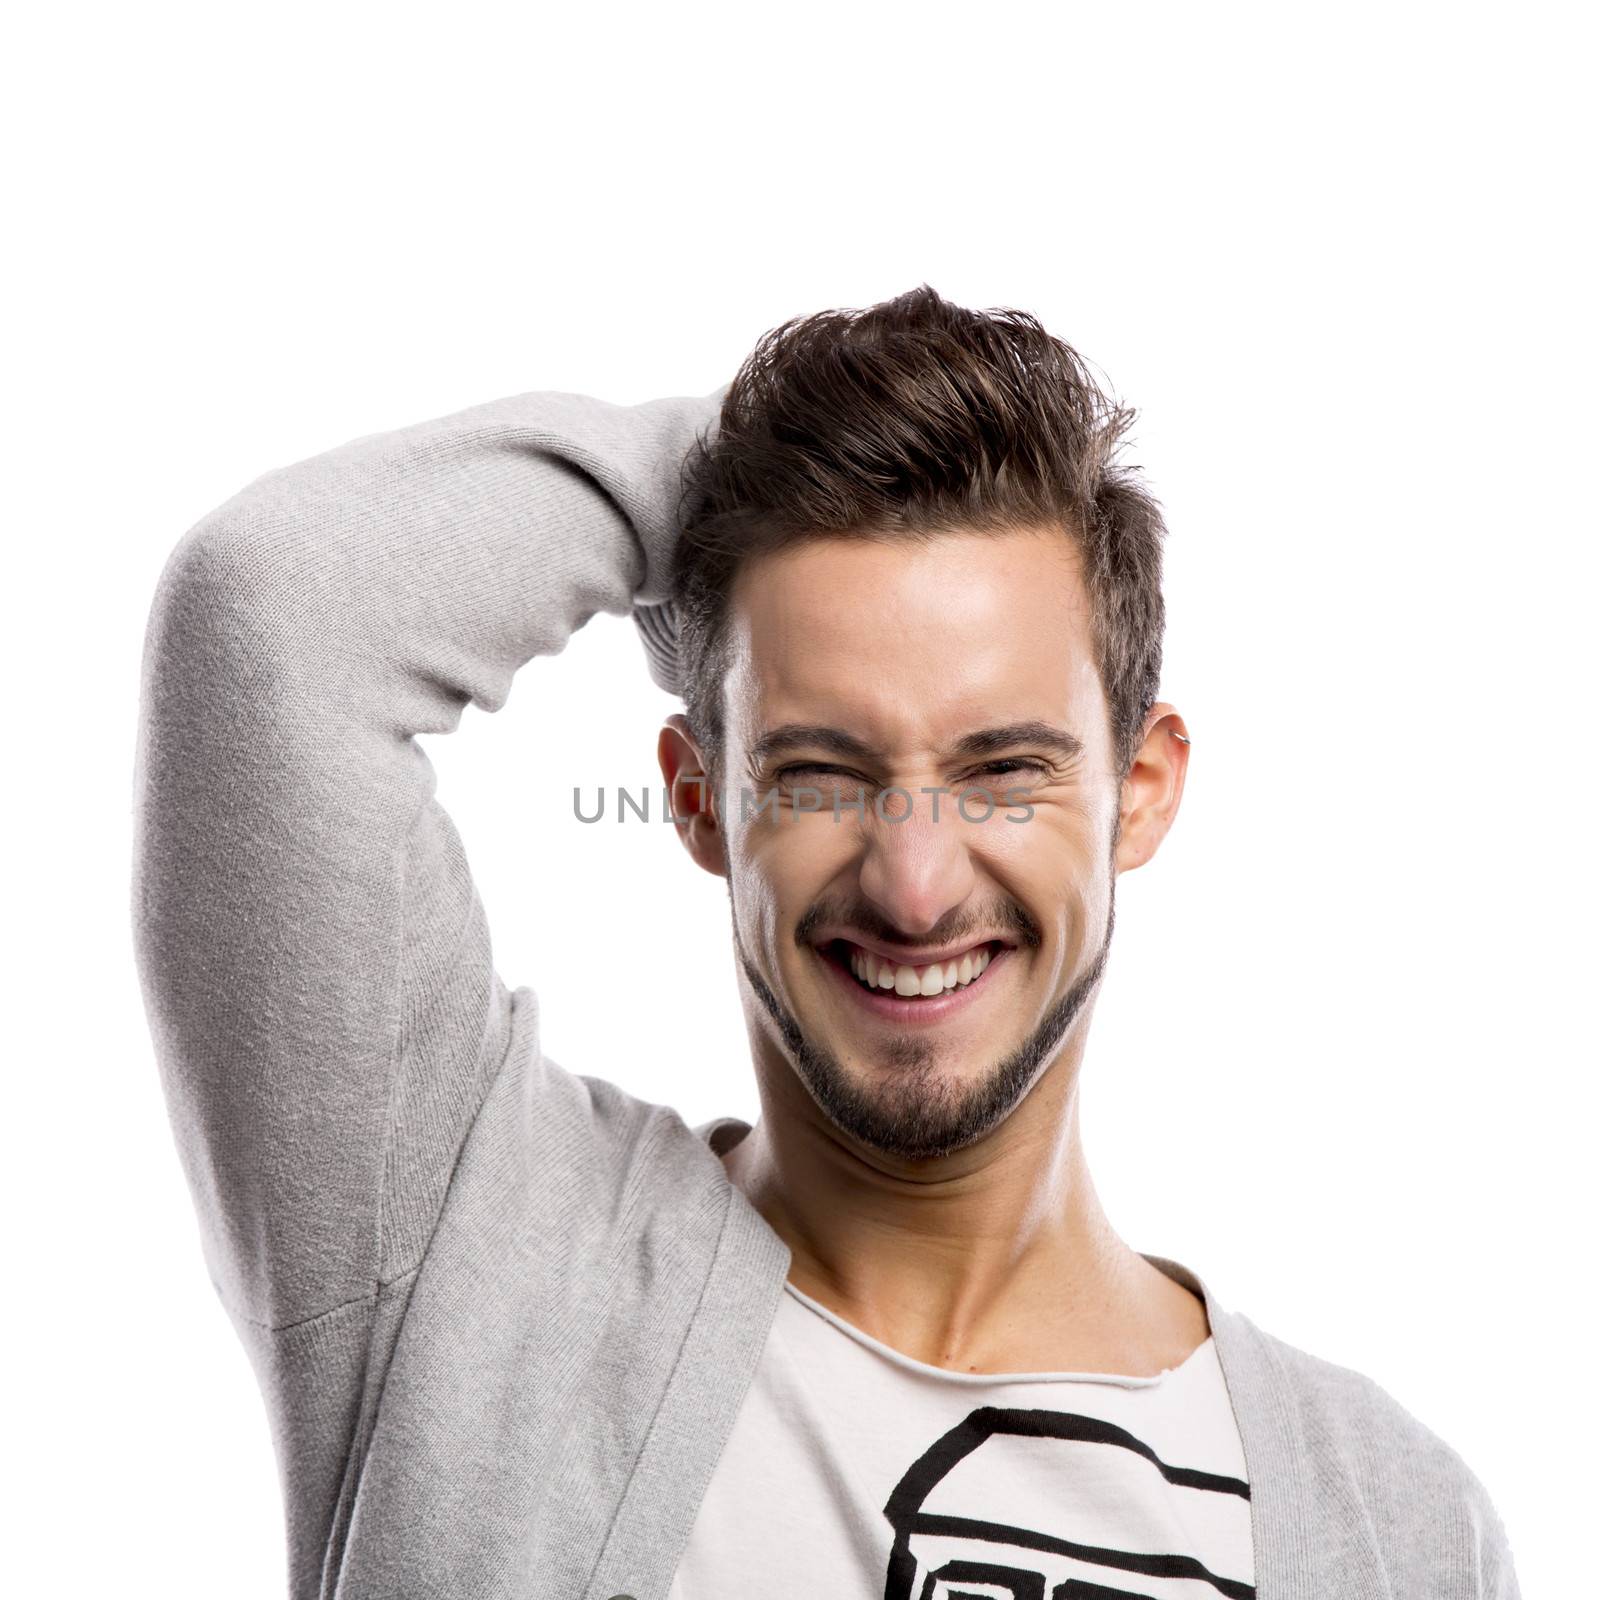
column 945, row 1552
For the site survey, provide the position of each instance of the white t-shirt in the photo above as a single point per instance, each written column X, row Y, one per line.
column 855, row 1471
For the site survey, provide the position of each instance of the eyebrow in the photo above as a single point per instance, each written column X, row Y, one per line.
column 985, row 742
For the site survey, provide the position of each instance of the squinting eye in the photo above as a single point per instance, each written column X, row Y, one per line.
column 1015, row 764
column 784, row 772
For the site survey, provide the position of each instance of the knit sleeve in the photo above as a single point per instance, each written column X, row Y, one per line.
column 315, row 962
column 1494, row 1557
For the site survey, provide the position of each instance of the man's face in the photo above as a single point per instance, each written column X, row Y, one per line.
column 918, row 972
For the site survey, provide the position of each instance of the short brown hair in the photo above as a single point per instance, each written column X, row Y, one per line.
column 911, row 418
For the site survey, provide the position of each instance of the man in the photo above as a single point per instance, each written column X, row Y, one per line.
column 520, row 1333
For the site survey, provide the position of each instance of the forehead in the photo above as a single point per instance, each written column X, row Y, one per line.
column 910, row 643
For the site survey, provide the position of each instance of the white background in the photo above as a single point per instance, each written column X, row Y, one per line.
column 1343, row 1063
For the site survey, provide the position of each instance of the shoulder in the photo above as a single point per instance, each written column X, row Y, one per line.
column 1426, row 1509
column 1369, row 1420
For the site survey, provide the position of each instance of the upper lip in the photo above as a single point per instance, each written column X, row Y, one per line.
column 910, row 958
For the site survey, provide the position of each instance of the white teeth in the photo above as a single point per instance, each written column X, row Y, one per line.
column 876, row 973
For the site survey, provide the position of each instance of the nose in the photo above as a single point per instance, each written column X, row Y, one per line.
column 917, row 870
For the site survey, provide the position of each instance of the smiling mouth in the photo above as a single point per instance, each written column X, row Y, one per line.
column 895, row 980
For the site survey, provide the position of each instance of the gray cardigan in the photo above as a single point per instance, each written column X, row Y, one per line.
column 502, row 1314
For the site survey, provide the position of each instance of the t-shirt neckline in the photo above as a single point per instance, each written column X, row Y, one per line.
column 924, row 1369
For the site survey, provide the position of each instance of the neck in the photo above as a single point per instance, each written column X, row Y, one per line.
column 997, row 1258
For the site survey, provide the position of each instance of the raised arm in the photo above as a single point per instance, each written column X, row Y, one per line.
column 315, row 962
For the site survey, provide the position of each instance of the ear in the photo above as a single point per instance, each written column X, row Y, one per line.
column 683, row 770
column 1153, row 787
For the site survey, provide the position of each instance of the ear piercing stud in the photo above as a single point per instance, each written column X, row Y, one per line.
column 1177, row 735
